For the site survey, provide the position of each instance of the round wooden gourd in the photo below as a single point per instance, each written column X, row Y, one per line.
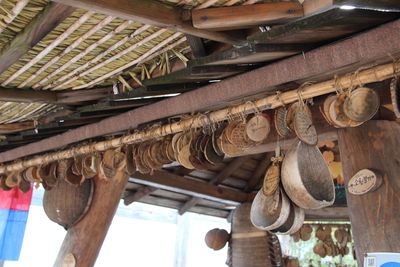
column 66, row 204
column 306, row 177
column 293, row 222
column 216, row 238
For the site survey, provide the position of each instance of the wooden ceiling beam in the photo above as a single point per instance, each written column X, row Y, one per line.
column 25, row 95
column 51, row 16
column 151, row 12
column 175, row 183
column 317, row 65
column 138, row 194
column 246, row 16
column 316, row 6
column 226, row 172
column 16, row 127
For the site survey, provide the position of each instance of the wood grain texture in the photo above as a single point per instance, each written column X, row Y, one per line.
column 84, row 239
column 150, row 12
column 375, row 215
column 246, row 16
column 36, row 30
column 29, row 96
column 16, row 127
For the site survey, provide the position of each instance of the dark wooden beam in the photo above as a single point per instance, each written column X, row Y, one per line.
column 150, row 12
column 39, row 27
column 246, row 16
column 374, row 216
column 196, row 46
column 259, row 172
column 317, row 65
column 16, row 127
column 226, row 172
column 171, row 182
column 315, row 6
column 138, row 194
column 30, row 96
column 84, row 239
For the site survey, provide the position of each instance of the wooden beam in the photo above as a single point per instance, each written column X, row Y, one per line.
column 16, row 127
column 30, row 96
column 226, row 172
column 246, row 16
column 138, row 194
column 328, row 214
column 150, row 12
column 259, row 172
column 316, row 65
column 84, row 239
column 375, row 216
column 36, row 30
column 316, row 6
column 196, row 46
column 171, row 182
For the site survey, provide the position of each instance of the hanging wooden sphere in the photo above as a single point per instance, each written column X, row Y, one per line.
column 217, row 238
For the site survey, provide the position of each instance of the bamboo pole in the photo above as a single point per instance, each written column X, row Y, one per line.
column 50, row 47
column 373, row 74
column 72, row 46
column 130, row 64
column 15, row 12
column 87, row 50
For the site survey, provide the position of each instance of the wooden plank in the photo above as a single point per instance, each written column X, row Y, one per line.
column 324, row 26
column 36, row 30
column 227, row 171
column 26, row 95
column 84, row 239
column 246, row 16
column 150, row 12
column 179, row 184
column 140, row 193
column 375, row 215
column 254, row 53
column 318, row 64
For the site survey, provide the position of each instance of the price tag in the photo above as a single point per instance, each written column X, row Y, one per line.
column 364, row 181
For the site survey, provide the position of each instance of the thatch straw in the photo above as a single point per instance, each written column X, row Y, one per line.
column 10, row 16
column 199, row 4
column 15, row 112
column 20, row 21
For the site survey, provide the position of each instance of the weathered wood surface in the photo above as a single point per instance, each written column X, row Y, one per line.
column 175, row 183
column 150, row 12
column 139, row 194
column 84, row 239
column 19, row 95
column 324, row 26
column 196, row 46
column 375, row 215
column 315, row 6
column 16, row 127
column 35, row 31
column 317, row 64
column 228, row 170
column 328, row 214
column 255, row 53
column 246, row 16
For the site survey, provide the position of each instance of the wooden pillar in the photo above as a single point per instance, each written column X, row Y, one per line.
column 84, row 239
column 375, row 216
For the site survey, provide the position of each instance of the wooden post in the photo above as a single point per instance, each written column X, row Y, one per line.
column 84, row 239
column 375, row 216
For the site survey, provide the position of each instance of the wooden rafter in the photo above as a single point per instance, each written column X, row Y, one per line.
column 150, row 12
column 318, row 62
column 171, row 182
column 247, row 16
column 226, row 172
column 138, row 194
column 258, row 173
column 38, row 28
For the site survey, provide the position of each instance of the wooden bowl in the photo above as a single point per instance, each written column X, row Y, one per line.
column 306, row 177
column 262, row 217
column 362, row 104
column 293, row 223
column 216, row 238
